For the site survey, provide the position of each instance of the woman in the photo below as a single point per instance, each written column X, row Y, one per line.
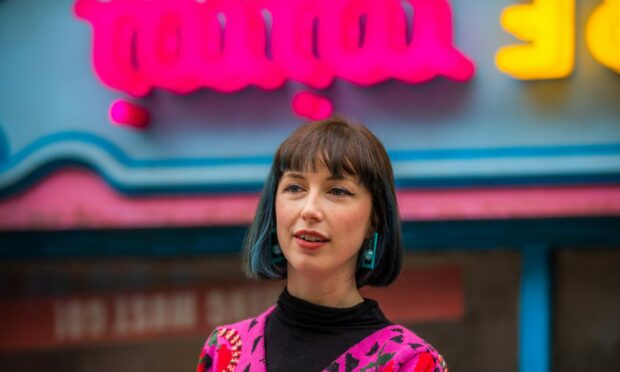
column 328, row 223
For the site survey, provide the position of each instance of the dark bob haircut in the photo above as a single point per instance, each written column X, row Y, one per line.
column 343, row 148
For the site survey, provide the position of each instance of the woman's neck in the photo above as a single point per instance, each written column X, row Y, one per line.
column 336, row 292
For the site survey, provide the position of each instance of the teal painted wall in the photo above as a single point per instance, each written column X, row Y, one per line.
column 53, row 109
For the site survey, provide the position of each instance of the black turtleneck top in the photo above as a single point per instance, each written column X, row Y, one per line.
column 301, row 336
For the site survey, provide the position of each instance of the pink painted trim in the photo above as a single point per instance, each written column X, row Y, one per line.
column 512, row 202
column 76, row 198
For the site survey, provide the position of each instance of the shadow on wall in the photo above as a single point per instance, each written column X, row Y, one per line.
column 431, row 101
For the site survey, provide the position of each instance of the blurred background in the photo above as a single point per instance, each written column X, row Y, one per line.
column 128, row 179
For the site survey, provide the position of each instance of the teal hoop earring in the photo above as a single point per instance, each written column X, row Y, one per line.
column 277, row 256
column 369, row 254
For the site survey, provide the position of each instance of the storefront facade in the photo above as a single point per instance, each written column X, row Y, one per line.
column 130, row 137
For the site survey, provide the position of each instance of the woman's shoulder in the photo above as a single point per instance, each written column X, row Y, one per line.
column 231, row 344
column 419, row 355
column 393, row 348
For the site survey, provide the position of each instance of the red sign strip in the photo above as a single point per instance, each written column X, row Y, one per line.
column 419, row 295
column 422, row 295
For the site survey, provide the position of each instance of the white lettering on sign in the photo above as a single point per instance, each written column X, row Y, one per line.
column 141, row 314
column 79, row 319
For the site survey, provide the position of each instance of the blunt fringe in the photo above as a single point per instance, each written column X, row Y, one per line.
column 343, row 148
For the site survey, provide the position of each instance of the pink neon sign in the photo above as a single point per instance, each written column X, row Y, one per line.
column 185, row 45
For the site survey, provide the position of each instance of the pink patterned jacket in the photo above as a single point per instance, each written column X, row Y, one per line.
column 240, row 347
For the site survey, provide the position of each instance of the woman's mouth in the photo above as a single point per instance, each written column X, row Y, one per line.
column 310, row 240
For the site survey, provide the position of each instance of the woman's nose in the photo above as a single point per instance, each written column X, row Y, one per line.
column 312, row 210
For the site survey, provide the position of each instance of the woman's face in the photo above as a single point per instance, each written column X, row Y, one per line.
column 322, row 222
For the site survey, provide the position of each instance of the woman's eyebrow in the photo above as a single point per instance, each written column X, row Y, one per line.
column 343, row 177
column 333, row 177
column 295, row 175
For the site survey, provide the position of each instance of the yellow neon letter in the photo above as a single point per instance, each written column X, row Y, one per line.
column 603, row 34
column 548, row 26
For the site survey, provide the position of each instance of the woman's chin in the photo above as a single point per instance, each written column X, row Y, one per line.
column 308, row 268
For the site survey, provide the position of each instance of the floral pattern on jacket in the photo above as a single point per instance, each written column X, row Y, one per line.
column 240, row 347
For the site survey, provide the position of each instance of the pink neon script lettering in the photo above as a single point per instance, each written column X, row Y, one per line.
column 185, row 45
column 312, row 106
column 129, row 114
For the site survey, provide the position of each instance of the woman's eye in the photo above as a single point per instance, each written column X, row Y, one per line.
column 339, row 191
column 293, row 188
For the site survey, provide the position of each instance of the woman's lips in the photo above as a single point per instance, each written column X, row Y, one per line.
column 309, row 245
column 309, row 239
